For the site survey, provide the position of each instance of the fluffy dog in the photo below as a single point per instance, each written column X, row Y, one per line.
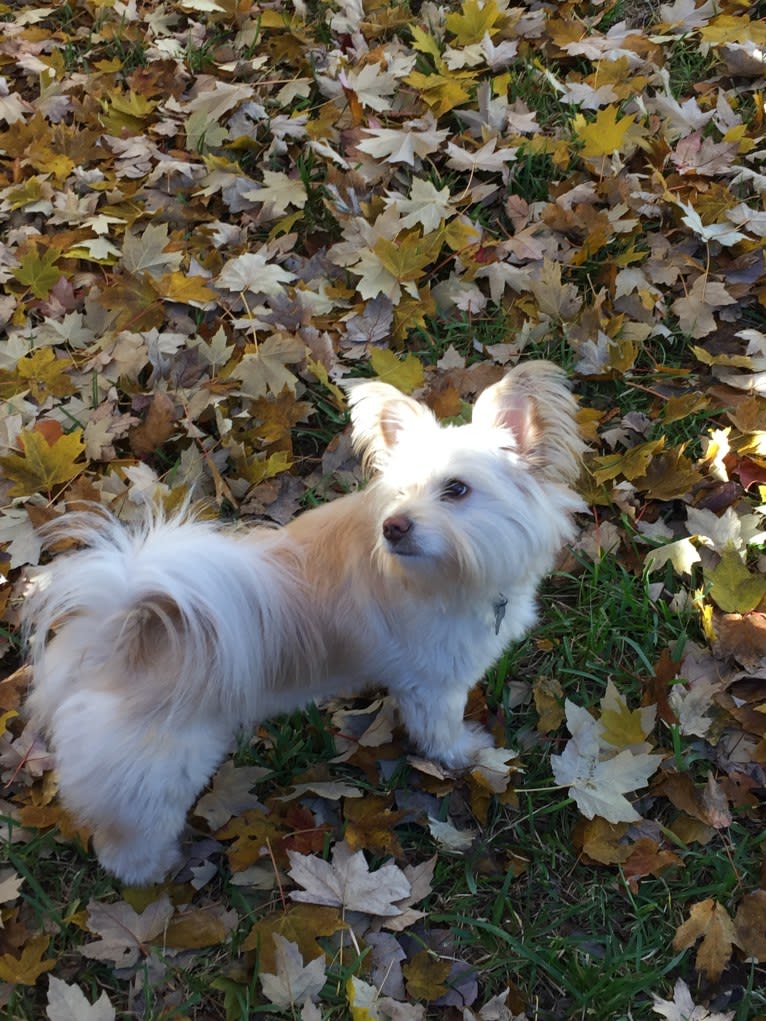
column 168, row 638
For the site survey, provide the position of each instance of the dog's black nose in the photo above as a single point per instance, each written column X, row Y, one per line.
column 396, row 527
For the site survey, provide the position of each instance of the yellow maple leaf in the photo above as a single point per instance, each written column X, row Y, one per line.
column 45, row 463
column 732, row 587
column 473, row 21
column 26, row 969
column 191, row 290
column 632, row 464
column 605, row 135
column 441, row 92
column 406, row 374
column 45, row 375
column 733, row 28
column 622, row 727
column 426, row 43
column 407, row 257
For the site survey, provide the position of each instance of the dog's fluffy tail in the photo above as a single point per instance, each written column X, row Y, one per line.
column 171, row 615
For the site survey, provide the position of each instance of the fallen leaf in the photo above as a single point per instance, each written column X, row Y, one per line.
column 709, row 921
column 598, row 786
column 26, row 969
column 683, row 1008
column 44, row 464
column 69, row 1003
column 292, row 982
column 750, row 925
column 126, row 935
column 347, row 882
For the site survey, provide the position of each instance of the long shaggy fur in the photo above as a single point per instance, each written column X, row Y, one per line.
column 169, row 637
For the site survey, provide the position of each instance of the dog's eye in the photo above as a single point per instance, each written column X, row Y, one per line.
column 455, row 490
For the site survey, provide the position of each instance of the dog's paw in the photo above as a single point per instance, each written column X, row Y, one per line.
column 138, row 863
column 465, row 750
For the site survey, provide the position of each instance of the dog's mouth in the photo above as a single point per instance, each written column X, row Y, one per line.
column 403, row 546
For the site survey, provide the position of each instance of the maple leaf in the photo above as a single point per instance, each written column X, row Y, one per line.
column 427, row 205
column 69, row 1003
column 426, row 976
column 488, row 157
column 125, row 934
column 622, row 727
column 26, row 969
column 370, row 824
column 695, row 309
column 45, row 374
column 347, row 882
column 147, row 253
column 406, row 374
column 723, row 233
column 293, row 982
column 10, row 884
column 605, row 134
column 38, row 271
column 194, row 928
column 709, row 921
column 682, row 1007
column 230, row 794
column 750, row 925
column 474, row 20
column 278, row 192
column 45, row 463
column 301, row 924
column 265, row 370
column 255, row 273
column 414, row 140
column 598, row 785
column 733, row 587
column 549, row 703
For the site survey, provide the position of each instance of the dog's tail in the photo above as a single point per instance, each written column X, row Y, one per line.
column 170, row 615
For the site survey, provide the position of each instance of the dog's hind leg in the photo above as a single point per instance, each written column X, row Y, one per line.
column 132, row 780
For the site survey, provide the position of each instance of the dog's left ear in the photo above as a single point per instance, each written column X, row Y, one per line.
column 380, row 416
column 533, row 402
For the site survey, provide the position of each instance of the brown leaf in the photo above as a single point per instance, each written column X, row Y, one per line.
column 750, row 925
column 156, row 427
column 709, row 921
column 302, row 924
column 549, row 702
column 370, row 824
column 200, row 927
column 648, row 859
column 603, row 841
column 742, row 636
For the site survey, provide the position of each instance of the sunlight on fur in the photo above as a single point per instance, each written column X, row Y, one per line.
column 170, row 637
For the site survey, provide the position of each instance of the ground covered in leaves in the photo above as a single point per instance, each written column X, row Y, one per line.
column 215, row 210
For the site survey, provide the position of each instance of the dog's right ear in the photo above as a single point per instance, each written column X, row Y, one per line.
column 380, row 416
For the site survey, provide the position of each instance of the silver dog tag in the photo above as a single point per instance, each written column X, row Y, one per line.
column 499, row 606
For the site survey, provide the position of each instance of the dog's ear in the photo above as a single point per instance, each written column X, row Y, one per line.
column 380, row 416
column 533, row 402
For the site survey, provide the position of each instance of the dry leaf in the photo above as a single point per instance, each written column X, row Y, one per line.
column 710, row 922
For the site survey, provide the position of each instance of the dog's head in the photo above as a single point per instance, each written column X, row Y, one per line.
column 482, row 503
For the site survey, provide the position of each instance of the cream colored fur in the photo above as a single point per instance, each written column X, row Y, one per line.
column 170, row 637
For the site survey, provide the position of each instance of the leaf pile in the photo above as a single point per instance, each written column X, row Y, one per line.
column 215, row 210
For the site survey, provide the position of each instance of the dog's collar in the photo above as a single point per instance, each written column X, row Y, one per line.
column 499, row 606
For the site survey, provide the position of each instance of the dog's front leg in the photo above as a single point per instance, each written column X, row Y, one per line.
column 434, row 721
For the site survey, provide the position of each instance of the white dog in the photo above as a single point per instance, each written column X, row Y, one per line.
column 169, row 638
